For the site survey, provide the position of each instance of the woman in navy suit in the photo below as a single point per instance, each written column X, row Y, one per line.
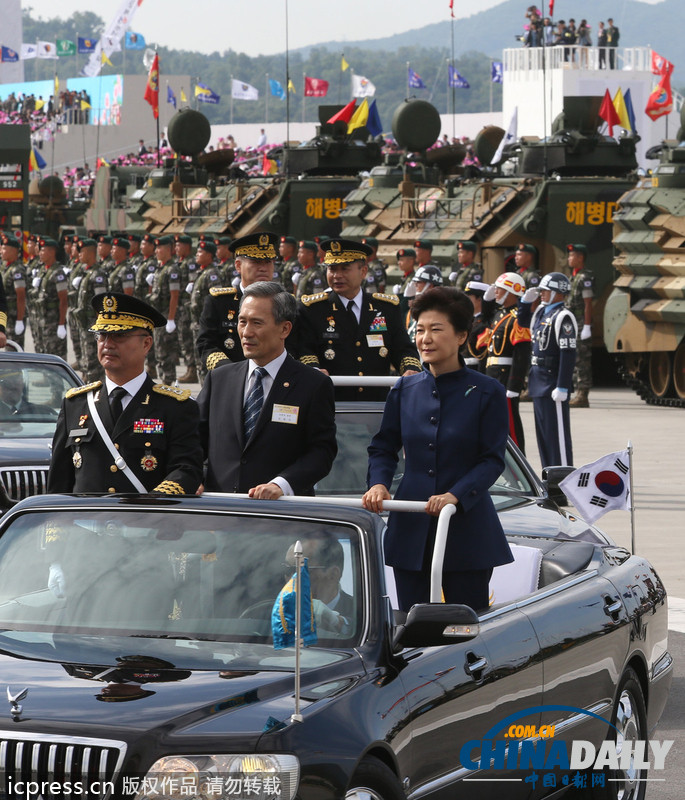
column 452, row 423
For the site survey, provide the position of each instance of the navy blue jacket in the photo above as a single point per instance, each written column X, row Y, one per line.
column 454, row 433
column 554, row 332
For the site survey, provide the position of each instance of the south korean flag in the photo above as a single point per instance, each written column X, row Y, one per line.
column 601, row 486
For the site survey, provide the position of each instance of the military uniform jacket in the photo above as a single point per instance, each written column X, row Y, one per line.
column 530, row 277
column 474, row 272
column 294, row 436
column 94, row 281
column 376, row 277
column 582, row 287
column 555, row 333
column 206, row 279
column 53, row 281
column 508, row 343
column 142, row 288
column 330, row 339
column 122, row 277
column 13, row 278
column 157, row 435
column 218, row 339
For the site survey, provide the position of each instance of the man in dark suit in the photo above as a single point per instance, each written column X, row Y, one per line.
column 149, row 440
column 268, row 423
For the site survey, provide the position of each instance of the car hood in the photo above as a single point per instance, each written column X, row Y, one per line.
column 31, row 451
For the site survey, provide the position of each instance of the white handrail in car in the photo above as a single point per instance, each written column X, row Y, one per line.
column 389, row 505
column 364, row 380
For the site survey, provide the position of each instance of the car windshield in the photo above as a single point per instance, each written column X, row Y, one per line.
column 211, row 576
column 30, row 398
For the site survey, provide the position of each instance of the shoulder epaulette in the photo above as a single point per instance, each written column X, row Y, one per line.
column 388, row 298
column 308, row 299
column 172, row 391
column 89, row 387
column 216, row 291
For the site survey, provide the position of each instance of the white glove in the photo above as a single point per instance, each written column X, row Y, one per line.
column 530, row 295
column 35, row 283
column 410, row 291
column 19, row 327
column 489, row 293
column 511, row 394
column 189, row 287
column 150, row 279
column 559, row 395
column 326, row 618
column 56, row 581
column 296, row 278
column 61, row 331
column 453, row 276
column 77, row 280
column 397, row 288
column 586, row 333
column 170, row 326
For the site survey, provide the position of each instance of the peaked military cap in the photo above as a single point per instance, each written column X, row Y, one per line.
column 122, row 312
column 258, row 246
column 344, row 251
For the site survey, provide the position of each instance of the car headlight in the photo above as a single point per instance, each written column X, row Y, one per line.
column 259, row 776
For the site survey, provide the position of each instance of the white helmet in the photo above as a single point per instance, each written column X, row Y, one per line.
column 511, row 282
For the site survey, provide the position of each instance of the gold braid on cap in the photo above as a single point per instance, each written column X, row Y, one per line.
column 264, row 250
column 111, row 321
column 344, row 257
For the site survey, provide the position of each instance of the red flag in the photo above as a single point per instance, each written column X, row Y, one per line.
column 345, row 114
column 452, row 8
column 660, row 101
column 608, row 113
column 152, row 87
column 661, row 65
column 551, row 8
column 315, row 87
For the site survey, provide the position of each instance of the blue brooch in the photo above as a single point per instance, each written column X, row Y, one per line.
column 468, row 391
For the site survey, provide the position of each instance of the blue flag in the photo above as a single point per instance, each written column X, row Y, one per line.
column 170, row 96
column 206, row 95
column 134, row 41
column 414, row 80
column 86, row 46
column 283, row 613
column 628, row 100
column 40, row 161
column 457, row 81
column 373, row 123
column 8, row 55
column 497, row 72
column 276, row 89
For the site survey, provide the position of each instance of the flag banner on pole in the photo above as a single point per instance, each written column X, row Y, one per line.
column 283, row 613
column 110, row 44
column 8, row 55
column 206, row 95
column 661, row 65
column 551, row 8
column 414, row 80
column 343, row 64
column 46, row 50
column 362, row 87
column 134, row 41
column 497, row 72
column 457, row 81
column 660, row 101
column 291, row 86
column 452, row 9
column 608, row 113
column 629, row 108
column 276, row 89
column 28, row 51
column 345, row 114
column 114, row 31
column 622, row 110
column 152, row 86
column 86, row 46
column 36, row 161
column 65, row 47
column 184, row 99
column 104, row 58
column 315, row 87
column 509, row 137
column 601, row 486
column 373, row 123
column 359, row 117
column 243, row 91
column 170, row 96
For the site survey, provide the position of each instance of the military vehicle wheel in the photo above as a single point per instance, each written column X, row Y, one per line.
column 660, row 373
column 679, row 371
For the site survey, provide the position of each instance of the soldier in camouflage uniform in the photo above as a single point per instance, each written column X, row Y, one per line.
column 469, row 269
column 122, row 277
column 287, row 260
column 312, row 278
column 188, row 269
column 74, row 269
column 134, row 255
column 93, row 281
column 226, row 262
column 166, row 291
column 209, row 276
column 33, row 272
column 52, row 300
column 579, row 302
column 376, row 277
column 406, row 261
column 291, row 267
column 145, row 276
column 14, row 284
column 525, row 257
column 105, row 259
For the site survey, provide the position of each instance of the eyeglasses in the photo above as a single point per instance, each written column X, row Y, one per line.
column 117, row 336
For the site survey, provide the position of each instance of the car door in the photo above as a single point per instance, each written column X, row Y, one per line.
column 456, row 693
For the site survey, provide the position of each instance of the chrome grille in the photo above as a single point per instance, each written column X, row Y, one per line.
column 65, row 760
column 22, row 482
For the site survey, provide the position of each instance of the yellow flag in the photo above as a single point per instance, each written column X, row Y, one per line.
column 621, row 110
column 85, row 105
column 105, row 60
column 56, row 92
column 39, row 104
column 360, row 117
column 343, row 64
column 184, row 99
column 291, row 86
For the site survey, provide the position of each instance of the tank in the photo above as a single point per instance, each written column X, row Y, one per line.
column 644, row 323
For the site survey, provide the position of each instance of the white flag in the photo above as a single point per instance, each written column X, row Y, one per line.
column 243, row 91
column 601, row 486
column 110, row 44
column 28, row 51
column 112, row 35
column 47, row 50
column 362, row 87
column 509, row 137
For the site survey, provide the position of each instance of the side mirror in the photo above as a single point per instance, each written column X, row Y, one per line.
column 434, row 624
column 551, row 478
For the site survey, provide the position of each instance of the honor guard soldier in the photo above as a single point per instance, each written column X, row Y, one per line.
column 424, row 278
column 508, row 342
column 51, row 300
column 122, row 278
column 469, row 268
column 345, row 331
column 127, row 434
column 526, row 265
column 91, row 282
column 579, row 301
column 376, row 278
column 312, row 278
column 475, row 350
column 554, row 332
column 218, row 340
column 14, row 286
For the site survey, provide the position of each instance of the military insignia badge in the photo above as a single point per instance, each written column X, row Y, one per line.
column 229, row 344
column 148, row 426
column 263, row 240
column 82, row 420
column 148, row 462
column 329, row 354
column 383, row 352
column 109, row 304
column 77, row 460
column 335, row 247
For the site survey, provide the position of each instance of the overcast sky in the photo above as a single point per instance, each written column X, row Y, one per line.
column 258, row 26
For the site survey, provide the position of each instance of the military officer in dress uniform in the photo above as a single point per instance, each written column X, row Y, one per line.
column 469, row 268
column 579, row 301
column 555, row 333
column 128, row 434
column 475, row 351
column 218, row 340
column 344, row 331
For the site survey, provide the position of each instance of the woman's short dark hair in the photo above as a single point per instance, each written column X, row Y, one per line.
column 449, row 301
